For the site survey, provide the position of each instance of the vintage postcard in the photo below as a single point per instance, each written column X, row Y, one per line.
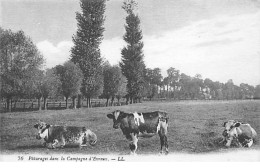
column 119, row 81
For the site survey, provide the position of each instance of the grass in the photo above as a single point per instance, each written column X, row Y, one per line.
column 194, row 127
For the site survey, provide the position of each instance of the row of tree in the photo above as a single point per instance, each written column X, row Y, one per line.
column 87, row 75
column 178, row 85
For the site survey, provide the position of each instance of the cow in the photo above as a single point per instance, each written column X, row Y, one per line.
column 141, row 125
column 58, row 136
column 241, row 133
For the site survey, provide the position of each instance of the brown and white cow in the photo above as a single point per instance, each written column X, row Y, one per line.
column 58, row 136
column 241, row 133
column 136, row 125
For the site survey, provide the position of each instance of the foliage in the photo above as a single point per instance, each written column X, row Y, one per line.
column 114, row 82
column 20, row 59
column 257, row 92
column 71, row 78
column 51, row 84
column 132, row 63
column 86, row 52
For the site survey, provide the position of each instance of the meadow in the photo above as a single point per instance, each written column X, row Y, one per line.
column 194, row 127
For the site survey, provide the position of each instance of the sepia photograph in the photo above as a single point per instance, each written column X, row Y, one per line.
column 118, row 81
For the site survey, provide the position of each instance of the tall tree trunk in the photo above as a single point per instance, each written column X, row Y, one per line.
column 167, row 91
column 131, row 100
column 79, row 100
column 39, row 103
column 9, row 104
column 45, row 103
column 127, row 99
column 118, row 100
column 74, row 102
column 112, row 101
column 66, row 102
column 107, row 102
column 89, row 102
column 140, row 99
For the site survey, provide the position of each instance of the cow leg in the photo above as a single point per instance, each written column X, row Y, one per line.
column 44, row 144
column 229, row 140
column 133, row 144
column 163, row 138
column 55, row 142
column 249, row 143
column 62, row 142
column 164, row 143
column 83, row 140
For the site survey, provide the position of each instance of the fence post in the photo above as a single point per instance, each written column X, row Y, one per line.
column 60, row 104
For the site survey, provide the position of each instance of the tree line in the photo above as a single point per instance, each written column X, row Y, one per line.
column 87, row 75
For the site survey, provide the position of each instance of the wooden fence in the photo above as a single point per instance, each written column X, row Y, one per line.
column 33, row 105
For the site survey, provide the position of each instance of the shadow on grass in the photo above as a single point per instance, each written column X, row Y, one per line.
column 39, row 146
column 25, row 147
column 209, row 142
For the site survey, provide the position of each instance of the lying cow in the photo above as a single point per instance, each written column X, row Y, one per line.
column 241, row 133
column 58, row 136
column 137, row 125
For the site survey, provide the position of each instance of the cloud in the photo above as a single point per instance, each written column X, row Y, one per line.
column 55, row 55
column 111, row 49
column 218, row 42
column 221, row 48
column 229, row 51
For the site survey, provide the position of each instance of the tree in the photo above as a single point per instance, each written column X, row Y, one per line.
column 71, row 78
column 19, row 59
column 185, row 85
column 173, row 79
column 50, row 86
column 229, row 88
column 132, row 63
column 109, row 82
column 257, row 92
column 37, row 86
column 166, row 83
column 86, row 52
column 247, row 91
column 122, row 89
column 152, row 91
column 114, row 83
column 196, row 86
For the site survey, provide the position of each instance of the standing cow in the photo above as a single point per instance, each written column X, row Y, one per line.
column 137, row 125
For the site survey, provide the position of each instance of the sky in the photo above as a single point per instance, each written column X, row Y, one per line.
column 219, row 39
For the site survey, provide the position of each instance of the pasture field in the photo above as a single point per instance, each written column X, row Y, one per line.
column 194, row 127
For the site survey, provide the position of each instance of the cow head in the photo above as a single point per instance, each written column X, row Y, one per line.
column 231, row 131
column 231, row 134
column 230, row 124
column 117, row 117
column 42, row 130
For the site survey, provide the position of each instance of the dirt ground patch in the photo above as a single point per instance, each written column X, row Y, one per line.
column 194, row 127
